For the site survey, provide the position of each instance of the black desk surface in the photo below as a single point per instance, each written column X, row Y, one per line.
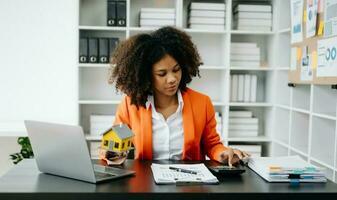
column 24, row 181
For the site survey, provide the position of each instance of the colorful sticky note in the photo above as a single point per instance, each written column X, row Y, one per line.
column 314, row 59
column 298, row 54
column 305, row 16
column 320, row 28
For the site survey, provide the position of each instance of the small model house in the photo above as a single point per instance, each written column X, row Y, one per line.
column 117, row 138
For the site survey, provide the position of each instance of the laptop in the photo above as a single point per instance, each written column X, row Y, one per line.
column 62, row 150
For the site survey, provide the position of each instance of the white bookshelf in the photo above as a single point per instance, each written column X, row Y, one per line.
column 297, row 120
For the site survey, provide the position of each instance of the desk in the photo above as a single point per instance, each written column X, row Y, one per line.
column 24, row 181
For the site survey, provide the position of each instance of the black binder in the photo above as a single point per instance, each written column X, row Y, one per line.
column 103, row 50
column 93, row 50
column 111, row 18
column 121, row 13
column 113, row 42
column 83, row 57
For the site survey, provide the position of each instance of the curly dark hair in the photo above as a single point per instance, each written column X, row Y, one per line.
column 133, row 59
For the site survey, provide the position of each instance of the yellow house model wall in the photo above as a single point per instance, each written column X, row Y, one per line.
column 112, row 136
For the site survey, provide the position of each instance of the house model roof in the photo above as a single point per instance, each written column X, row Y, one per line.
column 122, row 130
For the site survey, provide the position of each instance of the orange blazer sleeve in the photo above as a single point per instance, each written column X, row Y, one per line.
column 210, row 140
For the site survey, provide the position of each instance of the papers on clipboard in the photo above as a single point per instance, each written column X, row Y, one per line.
column 286, row 169
column 162, row 174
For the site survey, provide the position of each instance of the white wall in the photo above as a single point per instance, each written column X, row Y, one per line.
column 38, row 62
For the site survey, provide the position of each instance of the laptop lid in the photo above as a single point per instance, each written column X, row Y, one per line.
column 60, row 150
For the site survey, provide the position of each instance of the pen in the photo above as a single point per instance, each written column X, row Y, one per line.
column 183, row 170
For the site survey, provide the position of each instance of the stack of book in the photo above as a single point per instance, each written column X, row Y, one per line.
column 242, row 124
column 243, row 88
column 100, row 123
column 209, row 16
column 291, row 169
column 253, row 17
column 253, row 150
column 218, row 119
column 245, row 54
column 157, row 17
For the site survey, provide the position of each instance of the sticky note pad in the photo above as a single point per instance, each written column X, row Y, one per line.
column 320, row 28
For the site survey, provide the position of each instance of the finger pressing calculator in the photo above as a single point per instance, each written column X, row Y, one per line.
column 220, row 169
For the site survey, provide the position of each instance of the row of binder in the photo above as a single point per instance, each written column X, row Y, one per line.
column 116, row 15
column 243, row 88
column 96, row 50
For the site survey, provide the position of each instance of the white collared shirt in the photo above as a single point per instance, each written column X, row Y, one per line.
column 167, row 135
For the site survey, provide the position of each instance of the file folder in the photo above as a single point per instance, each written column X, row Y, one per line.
column 121, row 13
column 103, row 52
column 93, row 50
column 83, row 57
column 111, row 18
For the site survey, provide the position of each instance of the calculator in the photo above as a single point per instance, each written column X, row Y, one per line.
column 220, row 169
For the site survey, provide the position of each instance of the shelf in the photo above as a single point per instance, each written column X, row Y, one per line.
column 258, row 104
column 325, row 116
column 249, row 139
column 281, row 143
column 299, row 110
column 299, row 134
column 99, row 102
column 281, row 125
column 94, row 65
column 142, row 29
column 281, row 68
column 239, row 32
column 102, row 28
column 298, row 151
column 282, row 106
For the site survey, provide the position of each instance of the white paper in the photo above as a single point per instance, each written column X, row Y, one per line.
column 330, row 17
column 296, row 20
column 261, row 166
column 306, row 70
column 327, row 61
column 293, row 60
column 312, row 6
column 163, row 175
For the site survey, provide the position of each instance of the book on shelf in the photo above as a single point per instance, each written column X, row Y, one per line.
column 253, row 88
column 157, row 22
column 253, row 28
column 253, row 22
column 243, row 120
column 234, row 86
column 244, row 57
column 206, row 20
column 240, row 114
column 112, row 13
column 207, row 6
column 243, row 127
column 243, row 133
column 241, row 82
column 245, row 63
column 157, row 10
column 252, row 8
column 207, row 13
column 247, row 88
column 245, row 51
column 252, row 15
column 209, row 27
column 243, row 45
column 157, row 15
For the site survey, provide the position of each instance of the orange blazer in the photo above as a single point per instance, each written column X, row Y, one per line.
column 200, row 136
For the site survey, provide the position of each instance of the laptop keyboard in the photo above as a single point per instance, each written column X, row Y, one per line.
column 99, row 175
column 109, row 170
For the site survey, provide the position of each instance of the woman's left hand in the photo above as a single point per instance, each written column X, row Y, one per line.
column 232, row 156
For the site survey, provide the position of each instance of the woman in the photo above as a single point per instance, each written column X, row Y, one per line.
column 170, row 120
